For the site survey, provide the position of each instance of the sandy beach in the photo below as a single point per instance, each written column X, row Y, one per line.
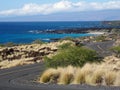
column 96, row 32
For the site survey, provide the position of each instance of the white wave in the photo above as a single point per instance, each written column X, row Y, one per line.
column 35, row 31
column 46, row 39
column 31, row 31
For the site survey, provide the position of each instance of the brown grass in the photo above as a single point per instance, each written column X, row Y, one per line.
column 93, row 74
column 49, row 75
column 80, row 76
column 9, row 64
column 66, row 76
column 27, row 48
column 97, row 77
column 110, row 77
column 117, row 81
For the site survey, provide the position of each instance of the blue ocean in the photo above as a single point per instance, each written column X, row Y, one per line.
column 26, row 32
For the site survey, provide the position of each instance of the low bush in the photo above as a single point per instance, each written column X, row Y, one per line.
column 9, row 44
column 65, row 46
column 75, row 56
column 100, row 38
column 38, row 41
column 67, row 38
column 116, row 50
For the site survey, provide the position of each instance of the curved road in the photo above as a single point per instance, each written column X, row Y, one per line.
column 24, row 78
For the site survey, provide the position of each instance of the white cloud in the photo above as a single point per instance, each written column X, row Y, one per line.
column 61, row 6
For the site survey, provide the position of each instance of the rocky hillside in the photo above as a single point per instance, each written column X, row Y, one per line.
column 26, row 54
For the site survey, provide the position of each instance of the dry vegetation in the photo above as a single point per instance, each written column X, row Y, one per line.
column 105, row 73
column 27, row 54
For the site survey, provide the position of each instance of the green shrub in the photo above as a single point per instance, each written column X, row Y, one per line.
column 65, row 45
column 115, row 31
column 38, row 41
column 9, row 44
column 1, row 45
column 76, row 56
column 100, row 38
column 67, row 38
column 116, row 50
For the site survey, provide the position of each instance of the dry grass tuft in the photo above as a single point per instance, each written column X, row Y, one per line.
column 80, row 77
column 77, row 77
column 9, row 64
column 49, row 76
column 117, row 81
column 93, row 74
column 67, row 75
column 110, row 77
column 66, row 78
column 97, row 77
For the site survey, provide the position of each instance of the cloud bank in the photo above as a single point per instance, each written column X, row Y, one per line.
column 61, row 6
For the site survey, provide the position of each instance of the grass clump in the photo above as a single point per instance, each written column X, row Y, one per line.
column 49, row 75
column 80, row 77
column 66, row 76
column 110, row 78
column 97, row 77
column 91, row 74
column 117, row 82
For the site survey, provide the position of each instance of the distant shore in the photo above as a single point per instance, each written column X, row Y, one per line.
column 75, row 30
column 53, row 35
column 96, row 33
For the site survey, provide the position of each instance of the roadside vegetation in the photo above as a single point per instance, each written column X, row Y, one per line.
column 116, row 50
column 91, row 74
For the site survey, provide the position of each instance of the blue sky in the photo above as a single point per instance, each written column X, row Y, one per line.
column 16, row 8
column 10, row 4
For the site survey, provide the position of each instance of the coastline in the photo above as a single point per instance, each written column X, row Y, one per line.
column 34, row 53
